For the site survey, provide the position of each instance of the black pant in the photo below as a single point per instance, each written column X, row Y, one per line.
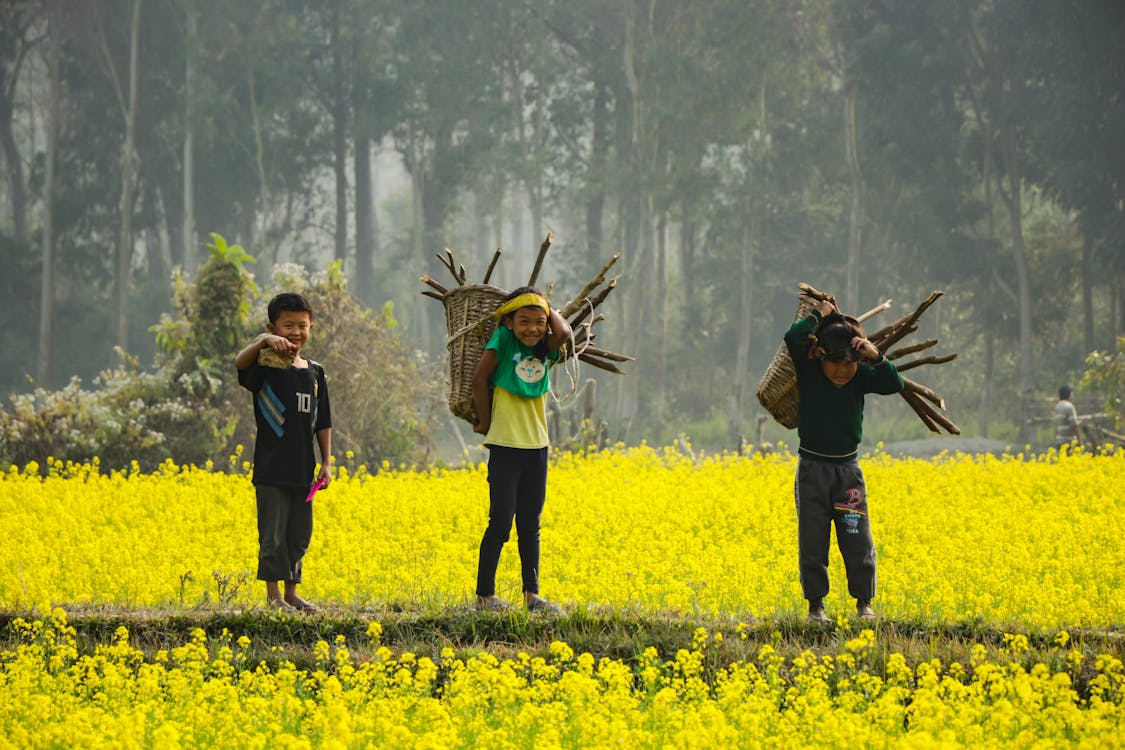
column 284, row 530
column 830, row 494
column 517, row 487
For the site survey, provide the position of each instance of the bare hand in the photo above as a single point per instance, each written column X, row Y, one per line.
column 481, row 427
column 868, row 350
column 824, row 307
column 280, row 344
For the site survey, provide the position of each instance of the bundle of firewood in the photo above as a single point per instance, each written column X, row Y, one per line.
column 469, row 312
column 777, row 390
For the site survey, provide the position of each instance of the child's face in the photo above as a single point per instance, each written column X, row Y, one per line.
column 839, row 371
column 293, row 325
column 529, row 324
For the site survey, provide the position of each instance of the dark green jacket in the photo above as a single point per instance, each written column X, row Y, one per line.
column 830, row 417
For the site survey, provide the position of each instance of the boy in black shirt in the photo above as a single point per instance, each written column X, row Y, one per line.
column 835, row 365
column 290, row 409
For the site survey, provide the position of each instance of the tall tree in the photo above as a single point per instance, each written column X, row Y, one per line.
column 45, row 363
column 17, row 24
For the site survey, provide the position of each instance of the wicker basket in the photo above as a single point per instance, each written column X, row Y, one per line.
column 468, row 315
column 777, row 390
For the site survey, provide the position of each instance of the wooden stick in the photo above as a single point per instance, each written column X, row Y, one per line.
column 922, row 409
column 539, row 260
column 933, row 416
column 874, row 311
column 599, row 298
column 816, row 294
column 461, row 273
column 600, row 364
column 613, row 356
column 575, row 303
column 435, row 295
column 930, row 395
column 427, row 280
column 908, row 322
column 448, row 263
column 491, row 265
column 933, row 360
column 911, row 349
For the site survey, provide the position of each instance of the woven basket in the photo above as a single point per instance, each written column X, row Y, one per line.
column 468, row 316
column 777, row 390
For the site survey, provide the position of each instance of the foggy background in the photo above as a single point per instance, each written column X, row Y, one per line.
column 727, row 151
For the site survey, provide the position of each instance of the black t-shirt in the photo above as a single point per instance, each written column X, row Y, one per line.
column 290, row 407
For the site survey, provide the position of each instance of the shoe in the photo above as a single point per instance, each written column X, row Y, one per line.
column 817, row 613
column 307, row 607
column 491, row 604
column 864, row 611
column 539, row 604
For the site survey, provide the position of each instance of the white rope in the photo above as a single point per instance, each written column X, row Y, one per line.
column 571, row 365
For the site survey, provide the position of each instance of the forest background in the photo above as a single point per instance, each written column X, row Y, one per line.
column 727, row 151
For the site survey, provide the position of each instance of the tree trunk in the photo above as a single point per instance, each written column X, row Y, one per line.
column 125, row 250
column 190, row 242
column 743, row 325
column 1088, row 344
column 364, row 216
column 45, row 361
column 595, row 202
column 339, row 137
column 17, row 190
column 417, row 211
column 661, row 318
column 856, row 209
column 1023, row 277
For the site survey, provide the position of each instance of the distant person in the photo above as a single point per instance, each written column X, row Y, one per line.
column 1066, row 420
column 510, row 386
column 836, row 366
column 291, row 410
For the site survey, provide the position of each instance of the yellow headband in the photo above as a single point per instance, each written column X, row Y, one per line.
column 524, row 300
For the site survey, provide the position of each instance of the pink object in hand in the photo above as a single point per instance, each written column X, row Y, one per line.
column 319, row 485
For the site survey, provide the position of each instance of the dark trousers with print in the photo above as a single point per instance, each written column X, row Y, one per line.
column 827, row 495
column 284, row 532
column 517, row 488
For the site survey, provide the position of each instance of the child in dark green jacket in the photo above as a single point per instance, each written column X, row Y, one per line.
column 836, row 366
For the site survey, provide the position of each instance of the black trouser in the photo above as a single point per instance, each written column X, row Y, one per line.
column 284, row 532
column 517, row 487
column 830, row 494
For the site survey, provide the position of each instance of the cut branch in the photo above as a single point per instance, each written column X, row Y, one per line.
column 922, row 409
column 933, row 360
column 574, row 304
column 600, row 364
column 539, row 260
column 613, row 356
column 912, row 386
column 874, row 311
column 440, row 289
column 912, row 349
column 491, row 265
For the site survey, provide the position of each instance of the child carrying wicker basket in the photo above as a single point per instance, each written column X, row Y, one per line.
column 835, row 366
column 509, row 389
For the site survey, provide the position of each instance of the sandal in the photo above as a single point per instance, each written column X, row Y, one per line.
column 302, row 606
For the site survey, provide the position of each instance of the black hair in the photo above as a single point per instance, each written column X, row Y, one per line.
column 288, row 302
column 1064, row 392
column 540, row 350
column 834, row 337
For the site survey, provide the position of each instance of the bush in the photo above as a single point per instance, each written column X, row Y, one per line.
column 190, row 408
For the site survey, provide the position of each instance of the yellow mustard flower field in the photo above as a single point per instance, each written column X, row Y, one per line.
column 1027, row 548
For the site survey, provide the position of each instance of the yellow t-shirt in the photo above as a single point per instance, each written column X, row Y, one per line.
column 517, row 422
